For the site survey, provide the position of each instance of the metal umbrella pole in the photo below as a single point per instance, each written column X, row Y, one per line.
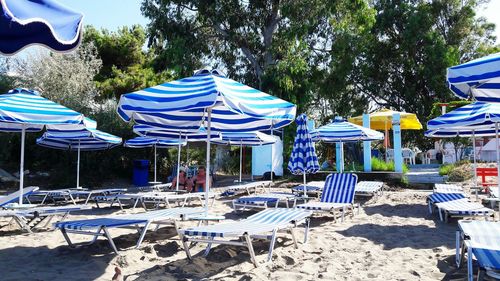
column 498, row 161
column 178, row 163
column 78, row 167
column 207, row 171
column 475, row 163
column 241, row 156
column 21, row 168
column 155, row 162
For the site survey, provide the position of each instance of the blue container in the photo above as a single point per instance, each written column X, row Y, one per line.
column 140, row 174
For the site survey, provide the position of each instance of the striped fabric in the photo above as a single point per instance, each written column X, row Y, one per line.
column 182, row 104
column 303, row 158
column 262, row 222
column 445, row 197
column 163, row 134
column 464, row 133
column 27, row 107
column 142, row 142
column 484, row 239
column 463, row 207
column 343, row 131
column 53, row 210
column 93, row 140
column 477, row 115
column 14, row 196
column 478, row 78
column 339, row 188
column 256, row 200
column 42, row 22
column 369, row 186
column 126, row 220
column 309, row 188
column 447, row 188
column 245, row 139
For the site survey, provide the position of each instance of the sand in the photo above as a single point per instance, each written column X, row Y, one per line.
column 393, row 238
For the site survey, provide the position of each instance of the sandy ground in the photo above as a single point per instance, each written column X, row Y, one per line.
column 393, row 238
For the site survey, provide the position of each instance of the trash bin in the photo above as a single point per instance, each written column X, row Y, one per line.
column 141, row 172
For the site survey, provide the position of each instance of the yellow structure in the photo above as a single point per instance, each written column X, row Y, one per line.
column 382, row 120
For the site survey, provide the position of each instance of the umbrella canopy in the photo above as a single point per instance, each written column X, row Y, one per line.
column 91, row 141
column 186, row 104
column 460, row 132
column 26, row 109
column 343, row 131
column 162, row 134
column 43, row 22
column 303, row 159
column 478, row 78
column 477, row 115
column 382, row 120
column 142, row 142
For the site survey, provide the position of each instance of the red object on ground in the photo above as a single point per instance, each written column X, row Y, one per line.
column 487, row 172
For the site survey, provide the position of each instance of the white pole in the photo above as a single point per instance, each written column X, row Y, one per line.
column 178, row 164
column 207, row 179
column 21, row 168
column 475, row 162
column 341, row 157
column 272, row 156
column 498, row 160
column 155, row 162
column 78, row 167
column 305, row 189
column 241, row 156
column 187, row 154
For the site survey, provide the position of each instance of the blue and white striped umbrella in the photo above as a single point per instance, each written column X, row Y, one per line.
column 464, row 133
column 186, row 104
column 93, row 140
column 340, row 131
column 43, row 22
column 143, row 142
column 26, row 111
column 303, row 159
column 245, row 139
column 159, row 133
column 479, row 78
column 477, row 115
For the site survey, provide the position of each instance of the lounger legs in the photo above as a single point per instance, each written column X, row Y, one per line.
column 110, row 240
column 248, row 241
column 209, row 246
column 306, row 230
column 271, row 246
column 185, row 246
column 143, row 233
column 470, row 273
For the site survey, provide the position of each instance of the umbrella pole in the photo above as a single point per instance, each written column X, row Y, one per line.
column 475, row 162
column 187, row 154
column 386, row 144
column 498, row 160
column 78, row 167
column 341, row 157
column 305, row 186
column 21, row 168
column 178, row 164
column 155, row 162
column 241, row 154
column 207, row 179
column 272, row 157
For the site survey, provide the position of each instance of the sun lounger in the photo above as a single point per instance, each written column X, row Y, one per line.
column 312, row 188
column 447, row 188
column 480, row 240
column 442, row 197
column 369, row 188
column 14, row 196
column 462, row 208
column 89, row 194
column 120, row 199
column 245, row 187
column 100, row 226
column 263, row 225
column 53, row 195
column 168, row 198
column 265, row 200
column 338, row 194
column 28, row 219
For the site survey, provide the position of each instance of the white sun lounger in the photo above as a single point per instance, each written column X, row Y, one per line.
column 13, row 197
column 462, row 208
column 64, row 194
column 447, row 188
column 120, row 199
column 265, row 201
column 263, row 225
column 100, row 226
column 89, row 194
column 246, row 187
column 28, row 219
column 435, row 198
column 480, row 240
column 369, row 188
column 312, row 187
column 169, row 198
column 338, row 194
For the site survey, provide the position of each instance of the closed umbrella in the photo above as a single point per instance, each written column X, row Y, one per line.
column 142, row 142
column 91, row 140
column 42, row 22
column 303, row 159
column 206, row 100
column 26, row 110
column 341, row 131
column 478, row 79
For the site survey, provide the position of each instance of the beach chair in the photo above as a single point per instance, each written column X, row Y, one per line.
column 29, row 219
column 263, row 225
column 120, row 199
column 90, row 194
column 100, row 226
column 338, row 194
column 168, row 198
column 265, row 201
column 14, row 196
column 479, row 240
column 245, row 187
column 312, row 188
column 447, row 188
column 435, row 198
column 53, row 195
column 462, row 208
column 369, row 188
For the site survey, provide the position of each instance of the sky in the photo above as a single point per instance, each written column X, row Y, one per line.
column 490, row 12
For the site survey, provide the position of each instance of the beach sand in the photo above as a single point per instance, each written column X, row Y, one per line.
column 393, row 238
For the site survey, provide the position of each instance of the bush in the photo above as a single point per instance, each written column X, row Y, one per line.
column 381, row 165
column 460, row 173
column 446, row 169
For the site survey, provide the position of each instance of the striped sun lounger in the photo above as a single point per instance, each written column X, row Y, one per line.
column 369, row 188
column 100, row 226
column 338, row 194
column 480, row 240
column 265, row 201
column 29, row 219
column 435, row 198
column 168, row 198
column 447, row 188
column 245, row 187
column 312, row 187
column 90, row 194
column 263, row 225
column 462, row 208
column 13, row 197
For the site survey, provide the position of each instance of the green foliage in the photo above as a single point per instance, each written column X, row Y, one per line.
column 458, row 171
column 446, row 169
column 381, row 165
